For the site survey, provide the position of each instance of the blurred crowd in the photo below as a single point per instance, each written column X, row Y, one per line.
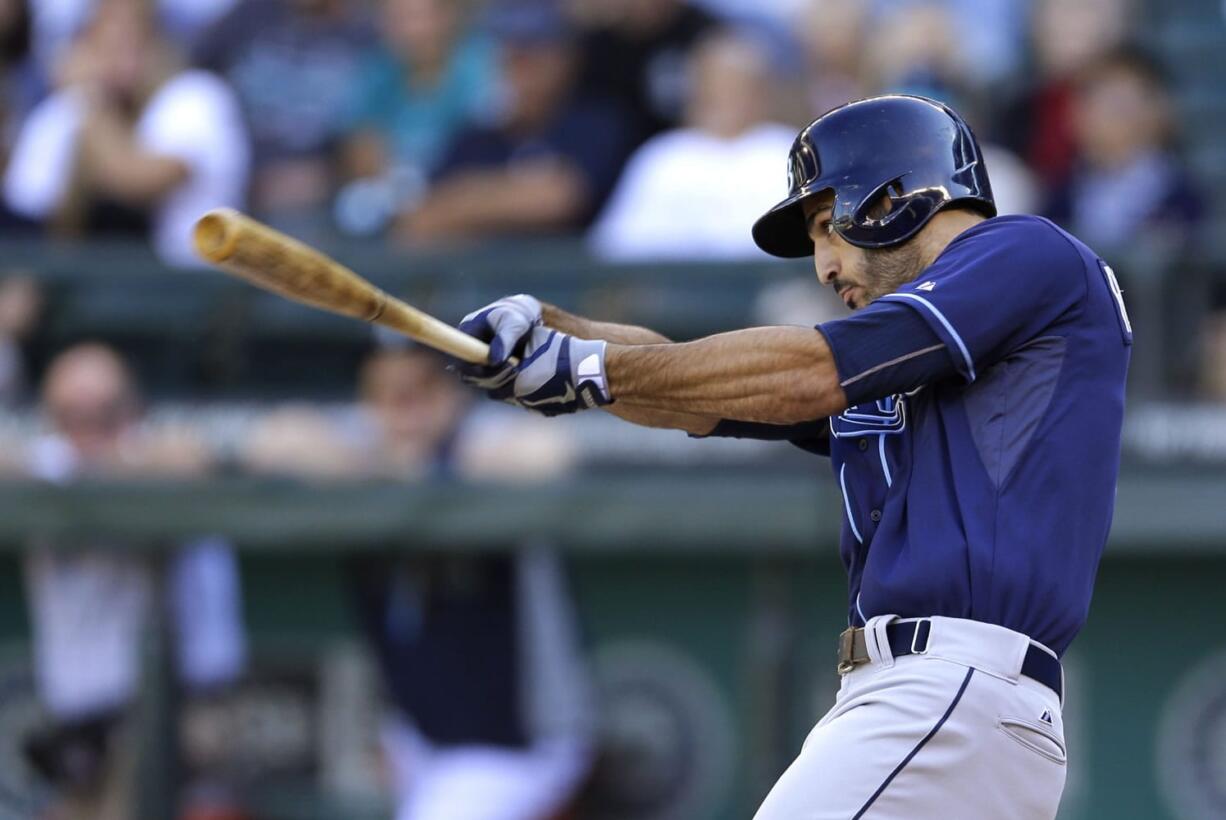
column 654, row 128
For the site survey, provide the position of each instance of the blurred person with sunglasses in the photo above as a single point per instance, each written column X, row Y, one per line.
column 90, row 602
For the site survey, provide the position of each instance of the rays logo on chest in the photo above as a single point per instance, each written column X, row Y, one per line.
column 886, row 416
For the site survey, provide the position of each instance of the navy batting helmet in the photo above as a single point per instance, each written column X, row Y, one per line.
column 914, row 150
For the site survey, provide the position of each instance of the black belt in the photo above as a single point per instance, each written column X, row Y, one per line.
column 911, row 638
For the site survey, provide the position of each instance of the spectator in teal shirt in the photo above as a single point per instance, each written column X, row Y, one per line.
column 432, row 76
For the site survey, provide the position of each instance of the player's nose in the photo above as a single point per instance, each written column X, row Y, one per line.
column 826, row 263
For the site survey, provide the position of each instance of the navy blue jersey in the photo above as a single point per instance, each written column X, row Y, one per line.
column 979, row 460
column 979, row 457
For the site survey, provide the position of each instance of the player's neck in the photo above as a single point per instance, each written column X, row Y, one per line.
column 942, row 229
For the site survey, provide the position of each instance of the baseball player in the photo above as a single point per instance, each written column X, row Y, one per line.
column 971, row 409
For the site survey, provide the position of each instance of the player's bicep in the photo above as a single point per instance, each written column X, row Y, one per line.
column 886, row 349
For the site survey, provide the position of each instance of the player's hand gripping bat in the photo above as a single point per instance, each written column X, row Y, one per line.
column 269, row 259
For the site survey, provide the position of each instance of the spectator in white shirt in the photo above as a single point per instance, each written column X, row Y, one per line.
column 694, row 192
column 131, row 142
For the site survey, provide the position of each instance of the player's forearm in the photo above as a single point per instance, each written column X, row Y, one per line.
column 662, row 419
column 775, row 375
column 585, row 328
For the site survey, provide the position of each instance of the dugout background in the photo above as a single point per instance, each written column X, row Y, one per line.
column 710, row 632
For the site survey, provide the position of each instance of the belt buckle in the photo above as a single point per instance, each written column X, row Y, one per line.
column 846, row 650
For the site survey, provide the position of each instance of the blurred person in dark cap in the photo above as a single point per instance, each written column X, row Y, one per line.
column 491, row 714
column 89, row 602
column 131, row 142
column 551, row 159
column 294, row 65
column 635, row 52
column 480, row 654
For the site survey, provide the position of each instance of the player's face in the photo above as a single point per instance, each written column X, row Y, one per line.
column 858, row 275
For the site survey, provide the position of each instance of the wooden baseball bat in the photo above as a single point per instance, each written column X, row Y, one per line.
column 269, row 259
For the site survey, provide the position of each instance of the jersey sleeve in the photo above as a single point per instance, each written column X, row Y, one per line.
column 886, row 349
column 996, row 286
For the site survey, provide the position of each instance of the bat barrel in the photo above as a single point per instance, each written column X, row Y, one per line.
column 215, row 235
column 269, row 259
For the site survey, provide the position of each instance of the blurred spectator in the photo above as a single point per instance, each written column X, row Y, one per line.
column 479, row 654
column 988, row 36
column 634, row 53
column 1066, row 37
column 294, row 65
column 432, row 77
column 1213, row 370
column 1131, row 196
column 1128, row 185
column 185, row 21
column 1213, row 373
column 549, row 163
column 56, row 22
column 832, row 39
column 915, row 50
column 695, row 192
column 131, row 140
column 21, row 302
column 19, row 81
column 761, row 14
column 88, row 603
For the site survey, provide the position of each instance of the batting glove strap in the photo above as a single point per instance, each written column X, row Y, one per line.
column 558, row 374
column 588, row 371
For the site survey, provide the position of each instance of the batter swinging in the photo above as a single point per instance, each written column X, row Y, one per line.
column 971, row 408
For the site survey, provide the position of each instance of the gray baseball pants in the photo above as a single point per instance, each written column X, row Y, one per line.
column 953, row 734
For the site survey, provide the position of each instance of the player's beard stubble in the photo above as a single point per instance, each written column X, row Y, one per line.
column 885, row 270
